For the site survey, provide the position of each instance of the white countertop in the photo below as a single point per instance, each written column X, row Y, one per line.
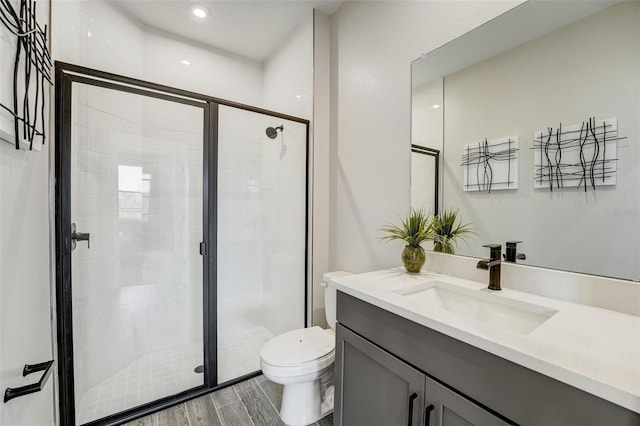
column 592, row 349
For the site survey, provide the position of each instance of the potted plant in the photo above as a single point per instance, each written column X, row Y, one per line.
column 415, row 228
column 446, row 233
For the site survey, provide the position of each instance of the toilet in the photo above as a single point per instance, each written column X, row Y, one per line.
column 302, row 361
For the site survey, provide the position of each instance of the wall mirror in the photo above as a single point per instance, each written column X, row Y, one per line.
column 536, row 115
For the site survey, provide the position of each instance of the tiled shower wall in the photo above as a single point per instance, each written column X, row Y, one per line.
column 261, row 223
column 284, row 174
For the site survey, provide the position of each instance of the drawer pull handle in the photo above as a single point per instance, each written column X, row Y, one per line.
column 427, row 414
column 412, row 397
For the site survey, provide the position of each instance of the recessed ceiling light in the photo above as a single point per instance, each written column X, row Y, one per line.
column 435, row 106
column 199, row 11
column 185, row 62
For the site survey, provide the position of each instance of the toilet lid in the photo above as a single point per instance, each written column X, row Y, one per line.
column 298, row 346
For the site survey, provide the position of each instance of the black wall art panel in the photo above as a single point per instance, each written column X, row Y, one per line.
column 579, row 156
column 30, row 74
column 491, row 165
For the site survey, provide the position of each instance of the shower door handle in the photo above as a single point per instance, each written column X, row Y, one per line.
column 79, row 236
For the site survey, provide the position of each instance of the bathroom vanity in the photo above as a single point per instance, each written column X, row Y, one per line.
column 432, row 349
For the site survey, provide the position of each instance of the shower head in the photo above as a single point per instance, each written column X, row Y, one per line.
column 272, row 132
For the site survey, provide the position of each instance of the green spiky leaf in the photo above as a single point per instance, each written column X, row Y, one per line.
column 414, row 229
column 446, row 233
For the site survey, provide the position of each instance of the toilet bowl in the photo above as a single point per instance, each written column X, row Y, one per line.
column 302, row 361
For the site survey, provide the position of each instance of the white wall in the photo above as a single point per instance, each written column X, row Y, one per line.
column 320, row 160
column 97, row 35
column 288, row 74
column 373, row 44
column 25, row 311
column 426, row 114
column 511, row 94
column 210, row 71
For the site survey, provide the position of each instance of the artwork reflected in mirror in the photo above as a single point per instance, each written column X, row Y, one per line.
column 523, row 86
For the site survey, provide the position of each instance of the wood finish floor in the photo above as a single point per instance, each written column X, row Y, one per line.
column 253, row 402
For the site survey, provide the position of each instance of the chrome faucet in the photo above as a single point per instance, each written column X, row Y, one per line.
column 493, row 265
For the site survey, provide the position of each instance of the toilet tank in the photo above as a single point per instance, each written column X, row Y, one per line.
column 330, row 295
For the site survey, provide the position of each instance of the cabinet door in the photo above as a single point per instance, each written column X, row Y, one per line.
column 447, row 408
column 373, row 387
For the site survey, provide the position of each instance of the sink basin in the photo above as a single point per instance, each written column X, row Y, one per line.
column 476, row 305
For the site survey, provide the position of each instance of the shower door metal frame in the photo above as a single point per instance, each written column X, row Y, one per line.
column 65, row 75
column 435, row 153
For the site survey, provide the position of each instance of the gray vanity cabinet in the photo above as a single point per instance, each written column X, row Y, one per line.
column 374, row 387
column 382, row 359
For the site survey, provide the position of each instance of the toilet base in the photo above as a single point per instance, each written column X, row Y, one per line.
column 300, row 403
column 307, row 402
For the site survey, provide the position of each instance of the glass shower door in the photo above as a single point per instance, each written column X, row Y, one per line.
column 261, row 256
column 137, row 288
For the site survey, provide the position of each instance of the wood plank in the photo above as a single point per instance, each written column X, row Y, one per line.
column 174, row 416
column 258, row 405
column 235, row 414
column 272, row 390
column 202, row 412
column 224, row 396
column 150, row 420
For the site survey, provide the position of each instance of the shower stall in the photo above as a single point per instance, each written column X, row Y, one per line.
column 181, row 242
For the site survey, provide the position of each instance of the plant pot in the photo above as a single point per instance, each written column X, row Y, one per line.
column 444, row 247
column 413, row 258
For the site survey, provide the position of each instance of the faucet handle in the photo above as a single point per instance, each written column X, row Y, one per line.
column 512, row 252
column 496, row 251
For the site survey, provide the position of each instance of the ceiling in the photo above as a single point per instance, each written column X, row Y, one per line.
column 250, row 28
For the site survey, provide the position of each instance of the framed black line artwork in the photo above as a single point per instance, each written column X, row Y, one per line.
column 25, row 78
column 579, row 156
column 490, row 165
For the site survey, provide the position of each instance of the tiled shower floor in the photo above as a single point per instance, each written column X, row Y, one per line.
column 171, row 371
column 239, row 354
